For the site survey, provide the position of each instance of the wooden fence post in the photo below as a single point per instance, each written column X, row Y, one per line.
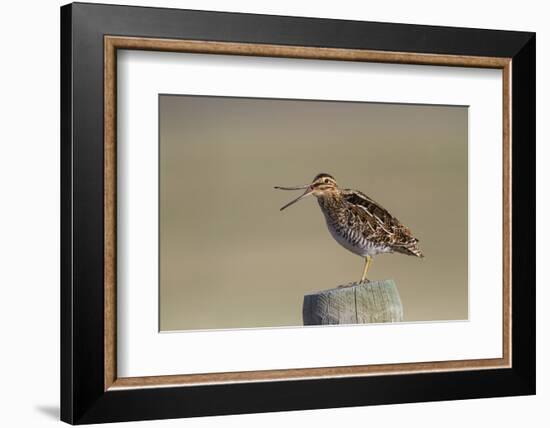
column 358, row 303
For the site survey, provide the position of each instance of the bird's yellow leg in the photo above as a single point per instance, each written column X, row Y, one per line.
column 368, row 260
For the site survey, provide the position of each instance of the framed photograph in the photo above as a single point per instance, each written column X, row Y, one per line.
column 265, row 213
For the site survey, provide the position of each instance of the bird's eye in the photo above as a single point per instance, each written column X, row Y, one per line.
column 326, row 180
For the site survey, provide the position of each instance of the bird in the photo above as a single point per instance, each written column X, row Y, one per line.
column 357, row 222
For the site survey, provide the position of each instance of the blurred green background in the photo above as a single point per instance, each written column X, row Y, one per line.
column 230, row 259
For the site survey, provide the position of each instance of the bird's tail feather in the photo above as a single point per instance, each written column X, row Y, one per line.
column 411, row 250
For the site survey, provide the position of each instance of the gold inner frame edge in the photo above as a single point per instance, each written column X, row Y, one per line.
column 113, row 43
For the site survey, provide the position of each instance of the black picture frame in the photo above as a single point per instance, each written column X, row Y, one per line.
column 83, row 396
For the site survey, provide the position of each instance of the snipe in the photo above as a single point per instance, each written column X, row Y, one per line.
column 357, row 222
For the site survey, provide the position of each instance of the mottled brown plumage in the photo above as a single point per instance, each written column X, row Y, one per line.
column 357, row 222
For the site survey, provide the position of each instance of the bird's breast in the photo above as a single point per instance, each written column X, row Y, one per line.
column 346, row 230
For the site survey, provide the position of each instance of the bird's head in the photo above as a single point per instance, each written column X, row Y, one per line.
column 321, row 185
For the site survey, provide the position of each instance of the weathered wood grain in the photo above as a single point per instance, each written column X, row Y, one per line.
column 357, row 303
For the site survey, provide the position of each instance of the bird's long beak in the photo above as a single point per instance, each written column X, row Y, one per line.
column 308, row 192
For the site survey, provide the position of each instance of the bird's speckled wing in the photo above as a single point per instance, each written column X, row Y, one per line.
column 379, row 225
